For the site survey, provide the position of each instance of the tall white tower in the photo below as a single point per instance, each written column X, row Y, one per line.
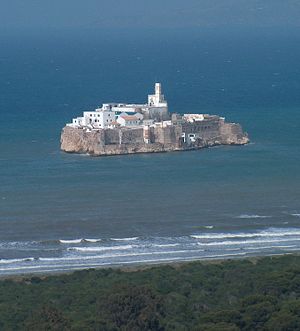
column 157, row 99
column 158, row 91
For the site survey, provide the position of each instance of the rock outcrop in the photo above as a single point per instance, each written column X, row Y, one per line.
column 159, row 139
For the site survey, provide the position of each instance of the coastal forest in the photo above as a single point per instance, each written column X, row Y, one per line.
column 249, row 294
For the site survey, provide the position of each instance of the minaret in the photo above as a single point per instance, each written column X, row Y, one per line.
column 158, row 91
column 157, row 98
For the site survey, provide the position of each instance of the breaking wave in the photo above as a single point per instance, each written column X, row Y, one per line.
column 100, row 249
column 92, row 240
column 70, row 241
column 7, row 261
column 278, row 233
column 78, row 241
column 67, row 254
column 124, row 239
column 165, row 245
column 252, row 216
column 115, row 255
column 245, row 242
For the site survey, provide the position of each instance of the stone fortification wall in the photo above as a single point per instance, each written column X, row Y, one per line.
column 132, row 136
column 162, row 139
column 123, row 136
column 207, row 129
column 170, row 135
column 103, row 142
column 112, row 136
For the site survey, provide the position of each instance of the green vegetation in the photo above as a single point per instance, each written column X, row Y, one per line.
column 261, row 294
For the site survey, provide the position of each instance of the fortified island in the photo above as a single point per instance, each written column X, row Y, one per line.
column 121, row 128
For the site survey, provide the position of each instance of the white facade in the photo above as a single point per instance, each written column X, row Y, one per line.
column 78, row 121
column 129, row 120
column 98, row 118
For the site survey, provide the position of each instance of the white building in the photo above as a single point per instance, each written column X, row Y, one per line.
column 76, row 122
column 129, row 120
column 157, row 99
column 98, row 119
column 157, row 106
column 109, row 113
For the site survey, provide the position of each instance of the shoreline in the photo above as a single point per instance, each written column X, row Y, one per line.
column 190, row 149
column 143, row 266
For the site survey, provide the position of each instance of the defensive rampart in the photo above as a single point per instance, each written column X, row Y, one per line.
column 175, row 137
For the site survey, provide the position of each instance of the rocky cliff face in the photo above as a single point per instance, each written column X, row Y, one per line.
column 232, row 134
column 130, row 141
column 80, row 141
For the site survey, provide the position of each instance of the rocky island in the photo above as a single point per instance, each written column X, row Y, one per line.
column 120, row 128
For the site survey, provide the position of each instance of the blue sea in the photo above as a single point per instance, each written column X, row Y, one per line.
column 63, row 211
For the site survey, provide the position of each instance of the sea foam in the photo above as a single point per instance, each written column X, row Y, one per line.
column 7, row 261
column 245, row 242
column 70, row 241
column 100, row 249
column 124, row 239
column 92, row 240
column 164, row 245
column 270, row 233
column 252, row 216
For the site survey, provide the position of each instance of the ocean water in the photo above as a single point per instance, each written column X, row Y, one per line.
column 64, row 211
